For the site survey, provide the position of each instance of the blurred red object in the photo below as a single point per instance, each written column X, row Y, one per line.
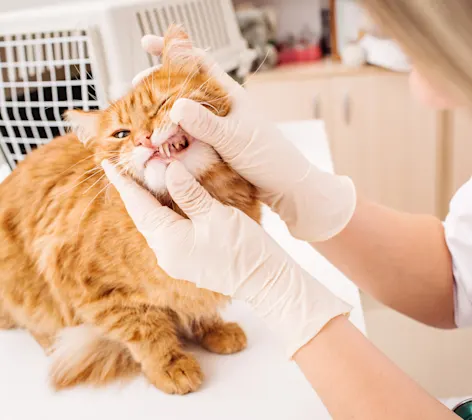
column 300, row 54
column 287, row 55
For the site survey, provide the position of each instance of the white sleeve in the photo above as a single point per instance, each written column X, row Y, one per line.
column 458, row 229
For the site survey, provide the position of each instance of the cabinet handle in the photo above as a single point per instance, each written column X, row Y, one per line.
column 347, row 109
column 316, row 108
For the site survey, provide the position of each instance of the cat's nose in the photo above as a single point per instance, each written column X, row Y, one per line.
column 143, row 139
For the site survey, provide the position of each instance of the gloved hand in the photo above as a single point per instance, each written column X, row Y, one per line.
column 315, row 205
column 221, row 249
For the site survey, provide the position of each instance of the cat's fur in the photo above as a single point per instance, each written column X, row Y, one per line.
column 75, row 272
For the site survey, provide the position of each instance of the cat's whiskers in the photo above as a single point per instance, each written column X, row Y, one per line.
column 198, row 67
column 152, row 82
column 217, row 111
column 91, row 173
column 211, row 77
column 186, row 81
column 167, row 107
column 124, row 161
column 146, row 83
column 96, row 196
column 168, row 83
column 114, row 106
column 95, row 169
column 242, row 84
column 98, row 166
column 205, row 93
column 257, row 70
column 76, row 185
column 95, row 183
column 180, row 94
column 114, row 161
column 123, row 164
column 89, row 204
column 75, row 164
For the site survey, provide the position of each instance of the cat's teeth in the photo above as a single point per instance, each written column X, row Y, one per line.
column 166, row 149
column 161, row 150
column 177, row 146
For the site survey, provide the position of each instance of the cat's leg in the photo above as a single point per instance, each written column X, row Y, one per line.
column 150, row 335
column 6, row 321
column 44, row 340
column 32, row 309
column 218, row 336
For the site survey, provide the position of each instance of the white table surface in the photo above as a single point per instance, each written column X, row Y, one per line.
column 258, row 383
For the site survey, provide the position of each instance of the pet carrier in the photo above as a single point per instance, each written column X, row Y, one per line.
column 82, row 55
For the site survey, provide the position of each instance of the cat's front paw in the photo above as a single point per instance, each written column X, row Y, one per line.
column 181, row 375
column 225, row 338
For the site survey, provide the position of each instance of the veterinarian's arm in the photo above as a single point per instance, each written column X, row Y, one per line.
column 356, row 381
column 222, row 249
column 400, row 259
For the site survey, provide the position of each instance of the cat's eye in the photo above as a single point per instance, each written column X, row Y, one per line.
column 121, row 134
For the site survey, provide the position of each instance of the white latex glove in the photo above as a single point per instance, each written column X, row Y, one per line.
column 315, row 205
column 221, row 249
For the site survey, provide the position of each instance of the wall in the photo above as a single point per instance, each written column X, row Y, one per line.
column 7, row 6
column 349, row 19
column 294, row 15
column 439, row 360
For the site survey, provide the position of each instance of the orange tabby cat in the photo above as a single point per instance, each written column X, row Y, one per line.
column 74, row 270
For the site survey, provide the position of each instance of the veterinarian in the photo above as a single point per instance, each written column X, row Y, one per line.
column 412, row 263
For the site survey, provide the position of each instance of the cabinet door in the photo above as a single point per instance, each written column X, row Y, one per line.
column 461, row 145
column 291, row 100
column 385, row 141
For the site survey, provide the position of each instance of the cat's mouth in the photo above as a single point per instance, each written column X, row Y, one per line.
column 171, row 149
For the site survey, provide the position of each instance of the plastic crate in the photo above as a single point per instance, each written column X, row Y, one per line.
column 83, row 55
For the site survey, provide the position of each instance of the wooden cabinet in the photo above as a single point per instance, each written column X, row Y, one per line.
column 351, row 130
column 385, row 141
column 292, row 100
column 379, row 136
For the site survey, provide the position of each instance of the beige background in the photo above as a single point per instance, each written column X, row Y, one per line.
column 440, row 361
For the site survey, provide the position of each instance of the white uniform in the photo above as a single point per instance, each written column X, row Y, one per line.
column 458, row 227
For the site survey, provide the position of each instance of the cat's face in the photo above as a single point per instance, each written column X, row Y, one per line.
column 136, row 133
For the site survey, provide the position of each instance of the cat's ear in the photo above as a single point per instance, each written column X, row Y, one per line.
column 178, row 53
column 84, row 124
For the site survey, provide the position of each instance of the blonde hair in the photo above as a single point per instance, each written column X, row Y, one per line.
column 436, row 35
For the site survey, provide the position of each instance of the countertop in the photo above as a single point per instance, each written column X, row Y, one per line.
column 258, row 383
column 323, row 68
